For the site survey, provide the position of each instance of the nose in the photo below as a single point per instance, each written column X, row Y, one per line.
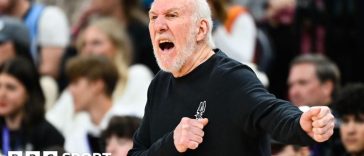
column 160, row 25
column 292, row 91
column 351, row 127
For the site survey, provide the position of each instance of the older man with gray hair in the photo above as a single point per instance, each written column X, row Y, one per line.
column 204, row 103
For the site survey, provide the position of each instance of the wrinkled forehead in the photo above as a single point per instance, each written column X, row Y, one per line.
column 162, row 6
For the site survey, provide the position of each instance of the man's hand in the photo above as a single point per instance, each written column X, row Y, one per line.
column 189, row 134
column 318, row 122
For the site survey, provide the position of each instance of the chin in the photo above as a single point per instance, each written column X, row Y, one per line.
column 168, row 66
column 167, row 69
column 4, row 113
column 354, row 150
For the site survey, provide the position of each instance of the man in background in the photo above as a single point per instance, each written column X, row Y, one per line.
column 313, row 80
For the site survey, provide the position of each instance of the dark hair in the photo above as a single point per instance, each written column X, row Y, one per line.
column 350, row 100
column 122, row 127
column 23, row 51
column 326, row 70
column 25, row 72
column 94, row 68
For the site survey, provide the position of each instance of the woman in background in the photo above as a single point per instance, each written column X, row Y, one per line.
column 105, row 37
column 22, row 120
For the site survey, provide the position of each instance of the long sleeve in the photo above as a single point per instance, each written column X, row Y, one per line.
column 142, row 145
column 263, row 112
column 240, row 110
column 163, row 147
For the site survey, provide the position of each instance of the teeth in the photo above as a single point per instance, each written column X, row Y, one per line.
column 164, row 41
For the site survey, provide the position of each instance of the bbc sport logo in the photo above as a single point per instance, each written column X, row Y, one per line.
column 53, row 153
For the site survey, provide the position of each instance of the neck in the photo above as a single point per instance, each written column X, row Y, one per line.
column 21, row 9
column 197, row 58
column 13, row 122
column 99, row 108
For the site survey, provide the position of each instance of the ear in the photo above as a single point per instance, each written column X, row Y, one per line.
column 203, row 30
column 327, row 87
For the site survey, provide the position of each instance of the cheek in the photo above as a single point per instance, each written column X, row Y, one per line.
column 343, row 131
column 73, row 90
column 292, row 90
column 361, row 132
column 110, row 50
column 310, row 90
column 16, row 101
column 316, row 92
column 183, row 40
column 104, row 49
column 19, row 97
column 76, row 95
column 6, row 53
column 299, row 90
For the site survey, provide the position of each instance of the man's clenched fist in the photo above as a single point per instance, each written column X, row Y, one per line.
column 318, row 122
column 189, row 134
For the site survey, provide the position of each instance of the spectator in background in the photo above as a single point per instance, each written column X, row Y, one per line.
column 350, row 107
column 93, row 81
column 13, row 39
column 118, row 135
column 48, row 31
column 105, row 37
column 129, row 13
column 22, row 121
column 256, row 7
column 279, row 149
column 314, row 81
column 15, row 42
column 235, row 33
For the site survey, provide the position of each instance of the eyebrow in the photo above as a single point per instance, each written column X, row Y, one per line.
column 151, row 12
column 172, row 10
column 168, row 11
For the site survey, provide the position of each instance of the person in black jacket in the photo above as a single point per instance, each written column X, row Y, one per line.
column 22, row 123
column 204, row 103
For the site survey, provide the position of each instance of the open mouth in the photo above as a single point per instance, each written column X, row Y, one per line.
column 166, row 45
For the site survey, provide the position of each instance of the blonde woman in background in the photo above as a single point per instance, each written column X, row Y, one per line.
column 106, row 37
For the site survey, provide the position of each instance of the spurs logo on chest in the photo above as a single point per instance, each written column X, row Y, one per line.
column 200, row 110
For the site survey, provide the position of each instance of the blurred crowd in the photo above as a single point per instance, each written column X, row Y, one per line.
column 74, row 75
